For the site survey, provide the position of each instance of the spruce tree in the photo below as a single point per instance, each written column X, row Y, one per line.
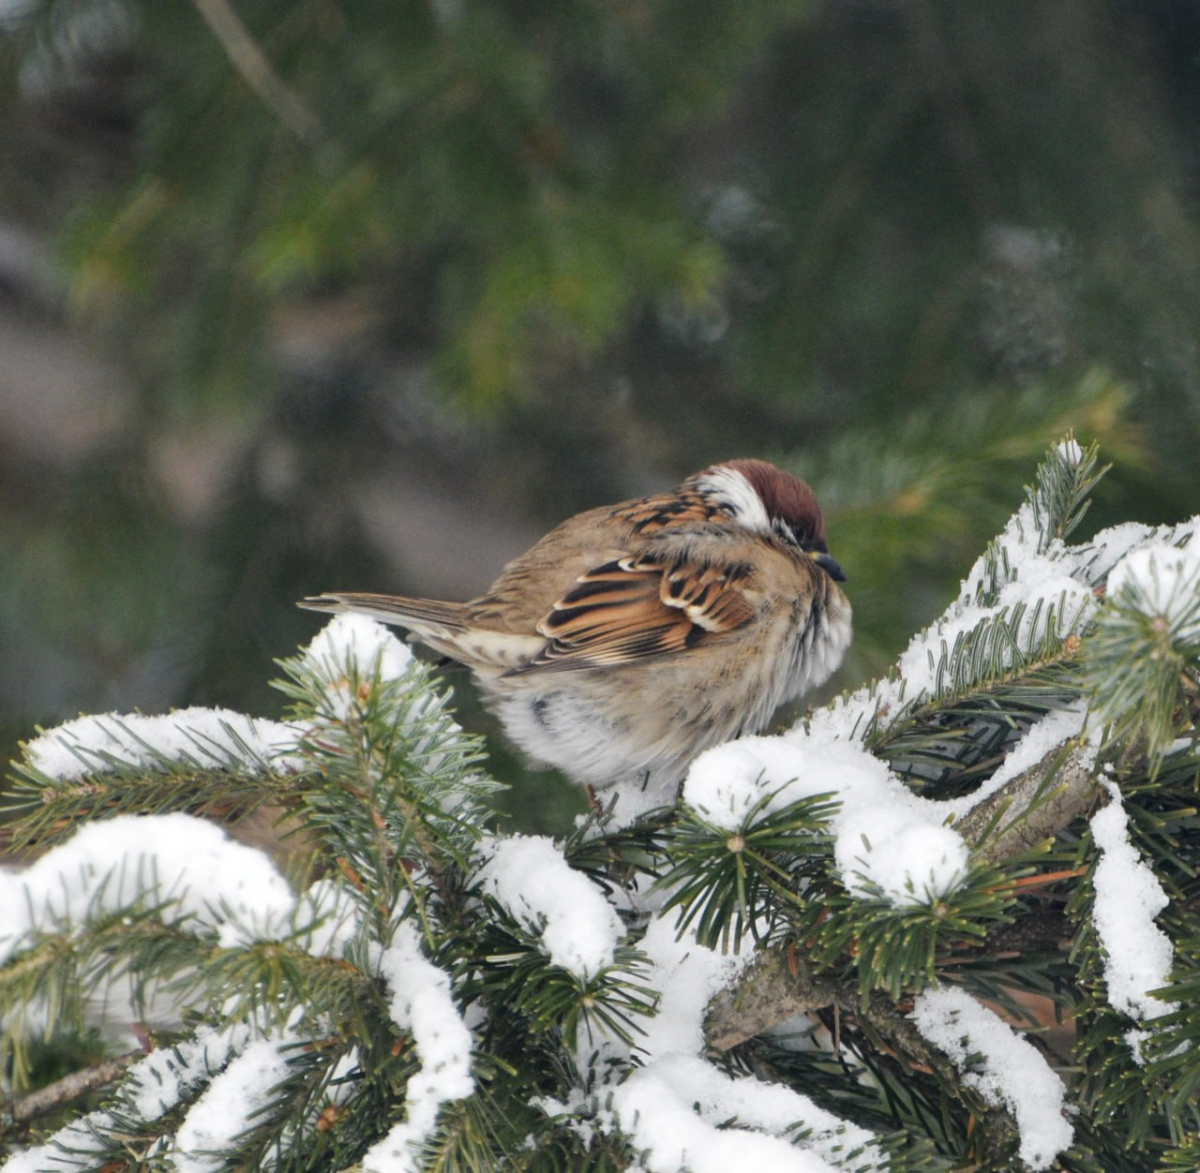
column 949, row 921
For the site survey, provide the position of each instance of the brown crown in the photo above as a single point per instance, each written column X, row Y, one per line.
column 786, row 497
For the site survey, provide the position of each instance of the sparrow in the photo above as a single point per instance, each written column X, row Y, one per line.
column 634, row 636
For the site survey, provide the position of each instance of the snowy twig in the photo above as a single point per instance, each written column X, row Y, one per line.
column 62, row 1091
column 780, row 983
column 1042, row 801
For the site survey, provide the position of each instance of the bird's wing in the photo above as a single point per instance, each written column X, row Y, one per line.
column 634, row 608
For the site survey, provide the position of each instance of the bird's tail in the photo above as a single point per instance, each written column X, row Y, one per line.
column 431, row 620
column 444, row 627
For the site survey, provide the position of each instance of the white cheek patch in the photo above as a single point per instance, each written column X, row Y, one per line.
column 738, row 495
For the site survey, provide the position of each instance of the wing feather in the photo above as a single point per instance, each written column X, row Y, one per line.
column 632, row 609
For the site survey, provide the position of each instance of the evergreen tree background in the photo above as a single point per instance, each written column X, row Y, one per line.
column 298, row 296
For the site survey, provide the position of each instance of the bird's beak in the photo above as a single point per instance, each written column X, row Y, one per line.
column 829, row 564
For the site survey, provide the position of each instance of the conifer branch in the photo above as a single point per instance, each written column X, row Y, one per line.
column 559, row 995
column 29, row 1107
column 781, row 982
column 776, row 985
column 247, row 57
column 1041, row 802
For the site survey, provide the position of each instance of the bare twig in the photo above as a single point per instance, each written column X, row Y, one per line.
column 247, row 57
column 772, row 988
column 70, row 1087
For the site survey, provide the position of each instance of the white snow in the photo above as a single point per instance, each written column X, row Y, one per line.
column 528, row 875
column 326, row 919
column 1017, row 544
column 67, row 1149
column 217, row 738
column 193, row 875
column 227, row 1107
column 189, row 864
column 153, row 1086
column 370, row 644
column 849, row 716
column 675, row 1102
column 673, row 1108
column 355, row 644
column 1070, row 452
column 421, row 1004
column 1139, row 955
column 1162, row 580
column 1063, row 576
column 1005, row 1068
column 1038, row 742
column 687, row 976
column 205, row 738
column 1094, row 559
column 635, row 798
column 1041, row 582
column 886, row 836
column 157, row 1083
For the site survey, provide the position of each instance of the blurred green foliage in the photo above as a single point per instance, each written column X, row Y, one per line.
column 537, row 256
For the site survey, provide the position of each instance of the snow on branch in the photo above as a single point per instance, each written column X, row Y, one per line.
column 187, row 865
column 229, row 1105
column 351, row 646
column 1002, row 1066
column 1163, row 581
column 677, row 1110
column 578, row 928
column 856, row 887
column 688, row 976
column 199, row 738
column 1143, row 654
column 423, row 1006
column 154, row 1086
column 1138, row 954
column 888, row 840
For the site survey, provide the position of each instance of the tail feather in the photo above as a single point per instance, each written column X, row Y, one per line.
column 440, row 626
column 421, row 616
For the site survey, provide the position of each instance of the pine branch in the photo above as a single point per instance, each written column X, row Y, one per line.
column 56, row 811
column 777, row 985
column 781, row 983
column 481, row 1000
column 27, row 1108
column 247, row 57
column 1033, row 806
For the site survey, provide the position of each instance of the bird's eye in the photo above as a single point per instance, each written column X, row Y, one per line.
column 784, row 531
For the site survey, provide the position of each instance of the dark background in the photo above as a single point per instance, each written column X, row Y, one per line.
column 317, row 295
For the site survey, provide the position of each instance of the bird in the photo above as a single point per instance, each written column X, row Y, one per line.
column 634, row 636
